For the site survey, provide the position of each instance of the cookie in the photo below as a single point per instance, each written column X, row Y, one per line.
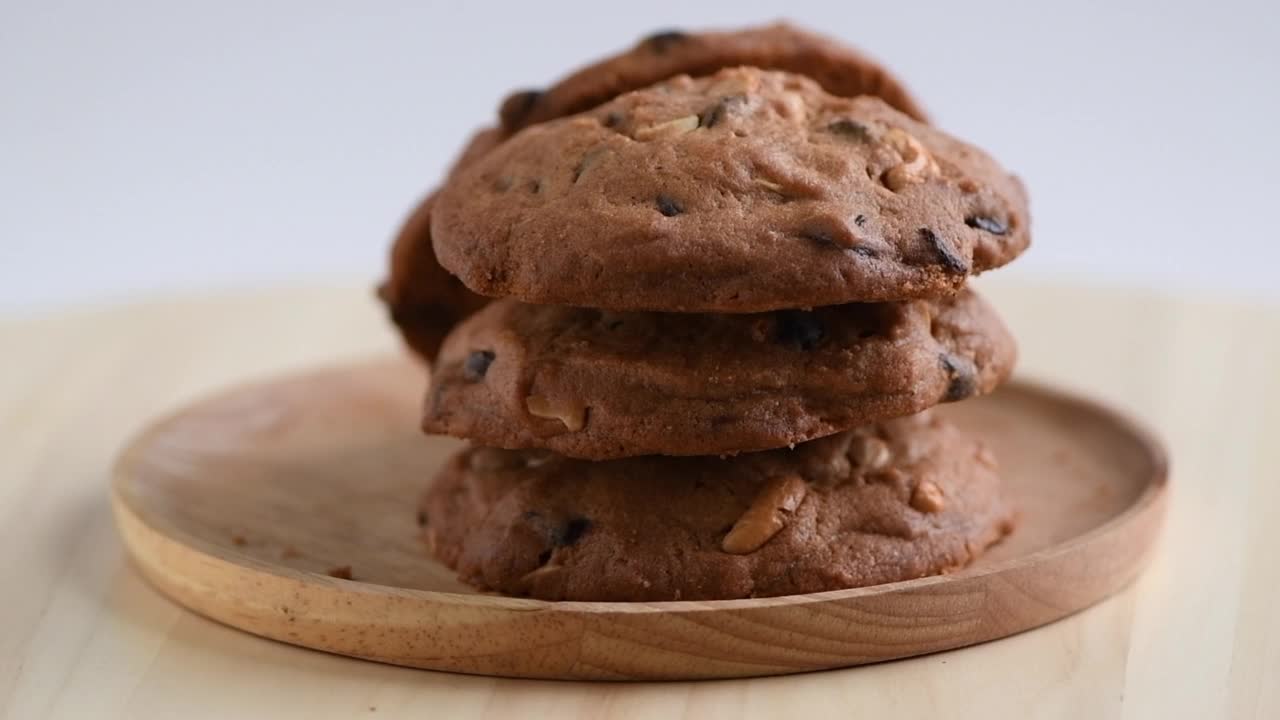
column 595, row 385
column 666, row 54
column 897, row 500
column 745, row 191
column 425, row 300
column 481, row 143
column 422, row 298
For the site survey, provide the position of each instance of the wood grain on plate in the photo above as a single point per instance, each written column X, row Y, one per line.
column 242, row 507
column 82, row 635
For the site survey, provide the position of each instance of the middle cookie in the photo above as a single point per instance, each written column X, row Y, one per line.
column 598, row 385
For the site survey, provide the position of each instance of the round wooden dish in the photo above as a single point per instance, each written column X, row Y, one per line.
column 243, row 507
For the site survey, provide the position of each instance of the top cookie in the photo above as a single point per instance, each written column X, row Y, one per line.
column 837, row 68
column 744, row 191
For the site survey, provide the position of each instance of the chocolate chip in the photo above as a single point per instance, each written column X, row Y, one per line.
column 477, row 364
column 986, row 224
column 612, row 120
column 571, row 531
column 663, row 40
column 422, row 518
column 950, row 260
column 860, row 221
column 342, row 572
column 824, row 238
column 819, row 236
column 517, row 107
column 535, row 186
column 668, row 206
column 837, row 231
column 964, row 377
column 559, row 534
column 799, row 329
column 851, row 129
column 718, row 112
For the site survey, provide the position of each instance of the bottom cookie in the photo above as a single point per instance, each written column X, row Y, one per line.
column 892, row 501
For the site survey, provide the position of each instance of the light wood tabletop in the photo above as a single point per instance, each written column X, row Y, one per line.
column 81, row 635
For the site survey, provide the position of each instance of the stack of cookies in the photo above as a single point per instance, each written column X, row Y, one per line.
column 692, row 305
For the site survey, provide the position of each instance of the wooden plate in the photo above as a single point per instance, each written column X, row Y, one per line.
column 240, row 506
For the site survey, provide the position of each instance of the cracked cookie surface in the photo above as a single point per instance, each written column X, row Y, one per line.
column 596, row 384
column 743, row 191
column 891, row 501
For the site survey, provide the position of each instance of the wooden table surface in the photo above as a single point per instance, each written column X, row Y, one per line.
column 82, row 636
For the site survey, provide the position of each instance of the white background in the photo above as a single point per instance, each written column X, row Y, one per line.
column 149, row 146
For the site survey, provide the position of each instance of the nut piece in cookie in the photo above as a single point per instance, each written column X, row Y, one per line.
column 766, row 516
column 702, row 528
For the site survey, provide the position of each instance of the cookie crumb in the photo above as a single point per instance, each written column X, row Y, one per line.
column 239, row 540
